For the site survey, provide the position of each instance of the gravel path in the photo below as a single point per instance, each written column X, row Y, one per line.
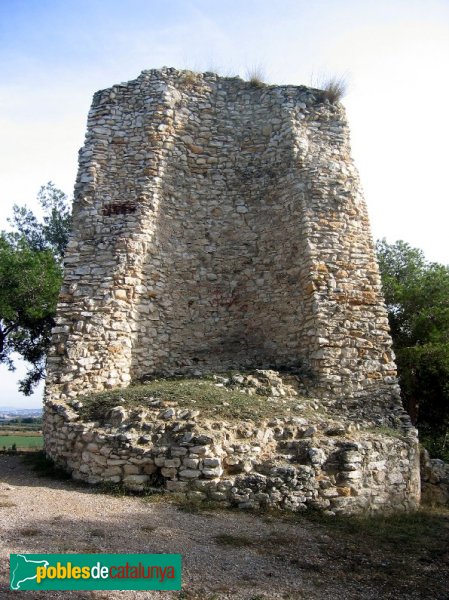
column 275, row 560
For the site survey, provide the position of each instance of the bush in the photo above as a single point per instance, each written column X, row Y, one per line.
column 335, row 88
column 256, row 76
column 416, row 293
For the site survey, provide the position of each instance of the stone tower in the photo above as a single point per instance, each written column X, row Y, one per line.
column 219, row 224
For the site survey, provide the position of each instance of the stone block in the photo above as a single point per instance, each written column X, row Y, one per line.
column 211, row 462
column 198, row 450
column 176, row 486
column 172, row 462
column 149, row 469
column 190, row 463
column 169, row 472
column 189, row 473
column 130, row 469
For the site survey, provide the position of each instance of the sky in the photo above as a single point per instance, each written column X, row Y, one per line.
column 394, row 54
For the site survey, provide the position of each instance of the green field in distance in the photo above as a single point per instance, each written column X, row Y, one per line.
column 21, row 441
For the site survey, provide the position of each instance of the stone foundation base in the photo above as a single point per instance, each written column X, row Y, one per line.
column 288, row 462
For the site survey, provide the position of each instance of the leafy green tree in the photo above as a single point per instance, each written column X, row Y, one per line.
column 29, row 285
column 417, row 297
column 30, row 278
column 52, row 231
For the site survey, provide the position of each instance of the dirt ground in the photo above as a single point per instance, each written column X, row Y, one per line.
column 226, row 554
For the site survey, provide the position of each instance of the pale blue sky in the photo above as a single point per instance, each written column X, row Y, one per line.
column 55, row 54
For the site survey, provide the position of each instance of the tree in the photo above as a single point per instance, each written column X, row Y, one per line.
column 52, row 232
column 30, row 278
column 417, row 297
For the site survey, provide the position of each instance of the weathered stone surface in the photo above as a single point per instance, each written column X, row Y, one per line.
column 130, row 469
column 369, row 472
column 228, row 231
column 189, row 473
column 284, row 221
column 190, row 463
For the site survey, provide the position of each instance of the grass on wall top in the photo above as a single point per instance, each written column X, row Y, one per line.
column 212, row 400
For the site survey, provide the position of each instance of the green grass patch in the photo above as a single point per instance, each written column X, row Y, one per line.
column 200, row 394
column 21, row 441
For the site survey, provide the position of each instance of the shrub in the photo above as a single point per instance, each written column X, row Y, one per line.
column 256, row 76
column 334, row 88
column 190, row 79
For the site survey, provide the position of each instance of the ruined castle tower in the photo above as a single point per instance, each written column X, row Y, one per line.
column 219, row 224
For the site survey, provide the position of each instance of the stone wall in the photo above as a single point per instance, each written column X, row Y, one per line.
column 308, row 460
column 219, row 224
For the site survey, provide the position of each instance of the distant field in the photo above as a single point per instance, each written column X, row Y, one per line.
column 21, row 441
column 6, row 427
